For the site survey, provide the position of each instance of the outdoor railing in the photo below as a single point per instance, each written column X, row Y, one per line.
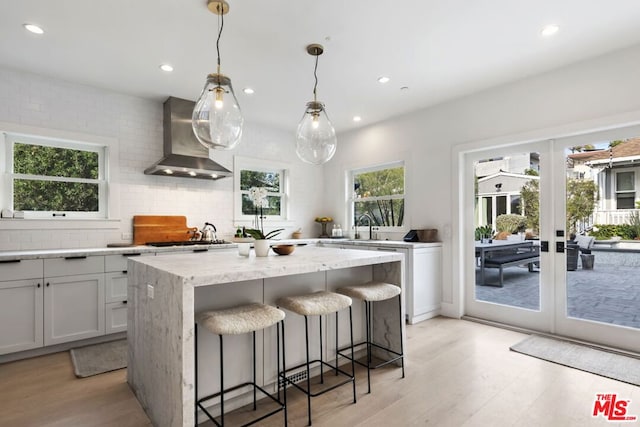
column 614, row 216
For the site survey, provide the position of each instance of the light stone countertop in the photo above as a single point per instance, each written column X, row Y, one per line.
column 225, row 267
column 61, row 253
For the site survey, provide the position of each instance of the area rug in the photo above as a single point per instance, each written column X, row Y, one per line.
column 99, row 358
column 578, row 356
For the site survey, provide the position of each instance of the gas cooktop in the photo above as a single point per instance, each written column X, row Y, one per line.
column 187, row 243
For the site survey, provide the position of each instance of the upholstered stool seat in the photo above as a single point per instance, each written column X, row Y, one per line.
column 372, row 291
column 318, row 304
column 315, row 304
column 369, row 293
column 234, row 321
column 240, row 320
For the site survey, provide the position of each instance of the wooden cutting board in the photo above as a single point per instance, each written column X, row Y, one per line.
column 161, row 228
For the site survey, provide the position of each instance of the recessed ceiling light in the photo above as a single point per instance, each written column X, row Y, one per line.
column 357, row 118
column 192, row 173
column 404, row 88
column 33, row 28
column 549, row 30
column 248, row 91
column 214, row 176
column 168, row 171
column 166, row 67
column 383, row 79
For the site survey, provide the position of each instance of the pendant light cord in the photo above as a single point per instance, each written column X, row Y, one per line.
column 221, row 25
column 315, row 76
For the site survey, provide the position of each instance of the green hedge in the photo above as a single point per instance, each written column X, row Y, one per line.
column 606, row 231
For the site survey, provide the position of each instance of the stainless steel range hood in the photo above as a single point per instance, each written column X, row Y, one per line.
column 184, row 156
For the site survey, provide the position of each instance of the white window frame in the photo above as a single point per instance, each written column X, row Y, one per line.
column 632, row 191
column 8, row 139
column 351, row 199
column 246, row 163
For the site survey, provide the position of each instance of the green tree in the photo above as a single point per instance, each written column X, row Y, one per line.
column 375, row 188
column 582, row 196
column 530, row 199
column 32, row 193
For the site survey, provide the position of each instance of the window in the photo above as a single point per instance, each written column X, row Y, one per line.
column 379, row 193
column 625, row 190
column 249, row 173
column 55, row 178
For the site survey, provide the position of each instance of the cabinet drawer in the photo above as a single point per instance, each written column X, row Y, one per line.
column 118, row 262
column 115, row 317
column 55, row 267
column 21, row 269
column 115, row 287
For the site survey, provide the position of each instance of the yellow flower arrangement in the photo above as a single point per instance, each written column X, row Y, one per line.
column 323, row 219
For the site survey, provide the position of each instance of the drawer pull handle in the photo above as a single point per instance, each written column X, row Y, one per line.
column 75, row 257
column 128, row 255
column 7, row 261
column 124, row 271
column 200, row 250
column 47, row 284
column 388, row 249
column 38, row 284
column 124, row 302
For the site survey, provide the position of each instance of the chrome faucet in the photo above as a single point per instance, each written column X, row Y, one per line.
column 370, row 221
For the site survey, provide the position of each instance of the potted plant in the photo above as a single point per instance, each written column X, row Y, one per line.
column 484, row 233
column 258, row 196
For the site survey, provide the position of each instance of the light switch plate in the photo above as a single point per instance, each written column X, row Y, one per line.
column 150, row 291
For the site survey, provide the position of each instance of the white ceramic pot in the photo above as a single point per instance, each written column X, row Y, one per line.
column 262, row 247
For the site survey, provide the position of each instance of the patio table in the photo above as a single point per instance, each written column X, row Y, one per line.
column 482, row 249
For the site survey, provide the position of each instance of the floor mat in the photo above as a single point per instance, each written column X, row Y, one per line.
column 99, row 358
column 579, row 356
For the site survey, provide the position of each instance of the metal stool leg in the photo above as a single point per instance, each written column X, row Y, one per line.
column 337, row 354
column 284, row 384
column 195, row 379
column 367, row 319
column 321, row 356
column 306, row 330
column 353, row 363
column 221, row 383
column 254, row 369
column 401, row 340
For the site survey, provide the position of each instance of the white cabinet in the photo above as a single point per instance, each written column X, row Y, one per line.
column 426, row 284
column 423, row 277
column 74, row 300
column 21, row 299
column 115, row 309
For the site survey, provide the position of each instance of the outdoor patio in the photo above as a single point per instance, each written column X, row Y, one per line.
column 609, row 293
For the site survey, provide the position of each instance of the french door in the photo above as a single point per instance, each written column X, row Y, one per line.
column 563, row 290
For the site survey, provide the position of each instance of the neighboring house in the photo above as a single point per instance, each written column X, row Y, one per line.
column 616, row 171
column 499, row 183
column 500, row 194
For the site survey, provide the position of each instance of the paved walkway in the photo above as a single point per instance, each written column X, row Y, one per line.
column 608, row 293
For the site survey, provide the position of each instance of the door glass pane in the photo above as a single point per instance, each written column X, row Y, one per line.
column 603, row 252
column 507, row 245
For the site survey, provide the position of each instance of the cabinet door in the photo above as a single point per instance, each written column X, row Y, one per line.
column 20, row 315
column 115, row 287
column 73, row 308
column 427, row 284
column 115, row 317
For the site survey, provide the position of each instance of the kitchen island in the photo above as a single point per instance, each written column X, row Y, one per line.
column 166, row 291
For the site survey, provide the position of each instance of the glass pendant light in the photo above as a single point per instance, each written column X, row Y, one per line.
column 217, row 119
column 316, row 138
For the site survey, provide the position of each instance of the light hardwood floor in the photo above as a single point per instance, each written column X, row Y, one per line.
column 459, row 373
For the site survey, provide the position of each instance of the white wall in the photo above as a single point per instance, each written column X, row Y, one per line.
column 597, row 93
column 136, row 125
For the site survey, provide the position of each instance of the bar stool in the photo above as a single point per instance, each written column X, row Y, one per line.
column 235, row 321
column 369, row 293
column 318, row 304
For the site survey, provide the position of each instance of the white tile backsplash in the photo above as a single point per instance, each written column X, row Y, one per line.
column 136, row 123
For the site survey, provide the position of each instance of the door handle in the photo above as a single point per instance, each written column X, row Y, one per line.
column 560, row 247
column 544, row 246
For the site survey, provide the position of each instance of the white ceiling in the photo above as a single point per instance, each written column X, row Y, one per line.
column 440, row 49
